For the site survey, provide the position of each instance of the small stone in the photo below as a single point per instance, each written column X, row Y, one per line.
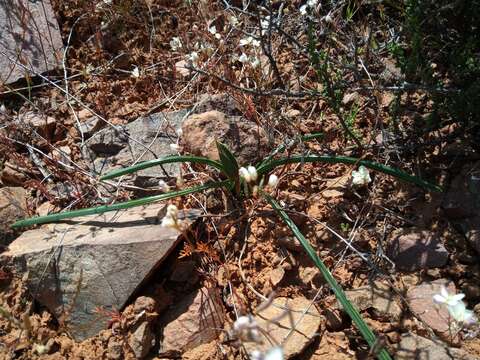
column 193, row 321
column 471, row 289
column 377, row 297
column 181, row 68
column 334, row 319
column 276, row 275
column 310, row 276
column 420, row 299
column 114, row 349
column 144, row 303
column 416, row 347
column 417, row 249
column 291, row 243
column 350, row 98
column 304, row 316
column 141, row 340
column 13, row 207
column 44, row 124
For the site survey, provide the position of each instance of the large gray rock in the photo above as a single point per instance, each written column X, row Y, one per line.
column 416, row 347
column 415, row 249
column 29, row 34
column 144, row 139
column 94, row 261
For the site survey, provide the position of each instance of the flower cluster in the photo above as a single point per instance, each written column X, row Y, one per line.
column 170, row 220
column 310, row 4
column 361, row 177
column 246, row 329
column 249, row 174
column 456, row 307
column 250, row 47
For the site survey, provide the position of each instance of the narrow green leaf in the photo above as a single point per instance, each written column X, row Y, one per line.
column 114, row 207
column 265, row 168
column 228, row 161
column 366, row 332
column 160, row 161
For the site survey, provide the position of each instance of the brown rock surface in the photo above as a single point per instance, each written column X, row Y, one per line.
column 193, row 321
column 306, row 322
column 13, row 202
column 416, row 347
column 247, row 141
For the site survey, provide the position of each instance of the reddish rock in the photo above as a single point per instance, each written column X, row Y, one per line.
column 417, row 249
column 193, row 321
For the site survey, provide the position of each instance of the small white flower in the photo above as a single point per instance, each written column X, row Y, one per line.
column 179, row 132
column 246, row 41
column 445, row 298
column 212, row 30
column 272, row 181
column 256, row 43
column 3, row 109
column 243, row 58
column 275, row 353
column 328, row 18
column 244, row 174
column 255, row 62
column 172, row 211
column 163, row 186
column 460, row 313
column 361, row 177
column 174, row 147
column 303, row 9
column 136, row 72
column 253, row 172
column 169, row 222
column 244, row 323
column 233, row 20
column 193, row 58
column 176, row 43
column 312, row 3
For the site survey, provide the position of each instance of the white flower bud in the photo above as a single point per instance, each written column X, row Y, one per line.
column 253, row 172
column 272, row 181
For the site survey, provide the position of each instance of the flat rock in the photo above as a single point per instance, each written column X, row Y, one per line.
column 247, row 141
column 420, row 299
column 416, row 347
column 29, row 34
column 306, row 322
column 193, row 321
column 144, row 139
column 415, row 249
column 94, row 261
column 13, row 206
column 377, row 297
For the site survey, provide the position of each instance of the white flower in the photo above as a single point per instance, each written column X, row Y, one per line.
column 176, row 43
column 246, row 41
column 244, row 323
column 213, row 30
column 256, row 43
column 460, row 313
column 244, row 174
column 303, row 9
column 275, row 353
column 233, row 20
column 328, row 18
column 255, row 62
column 163, row 186
column 312, row 3
column 193, row 58
column 272, row 181
column 243, row 58
column 361, row 177
column 179, row 132
column 3, row 109
column 253, row 172
column 169, row 222
column 172, row 211
column 445, row 298
column 136, row 72
column 174, row 147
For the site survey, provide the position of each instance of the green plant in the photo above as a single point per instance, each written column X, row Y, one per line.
column 235, row 178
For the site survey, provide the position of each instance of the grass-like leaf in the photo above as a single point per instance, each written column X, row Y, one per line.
column 265, row 168
column 366, row 332
column 114, row 207
column 228, row 161
column 163, row 160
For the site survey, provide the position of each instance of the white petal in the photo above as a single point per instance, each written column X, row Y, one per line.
column 444, row 292
column 439, row 299
column 273, row 180
column 253, row 172
column 169, row 222
column 275, row 353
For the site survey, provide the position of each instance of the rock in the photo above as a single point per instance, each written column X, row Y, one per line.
column 13, row 206
column 310, row 276
column 202, row 352
column 416, row 347
column 193, row 321
column 92, row 262
column 43, row 124
column 334, row 321
column 184, row 271
column 350, row 98
column 31, row 27
column 115, row 349
column 333, row 346
column 14, row 174
column 415, row 249
column 335, row 187
column 141, row 340
column 144, row 139
column 222, row 102
column 181, row 68
column 303, row 314
column 276, row 275
column 247, row 141
column 461, row 203
column 144, row 303
column 420, row 299
column 291, row 243
column 377, row 297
